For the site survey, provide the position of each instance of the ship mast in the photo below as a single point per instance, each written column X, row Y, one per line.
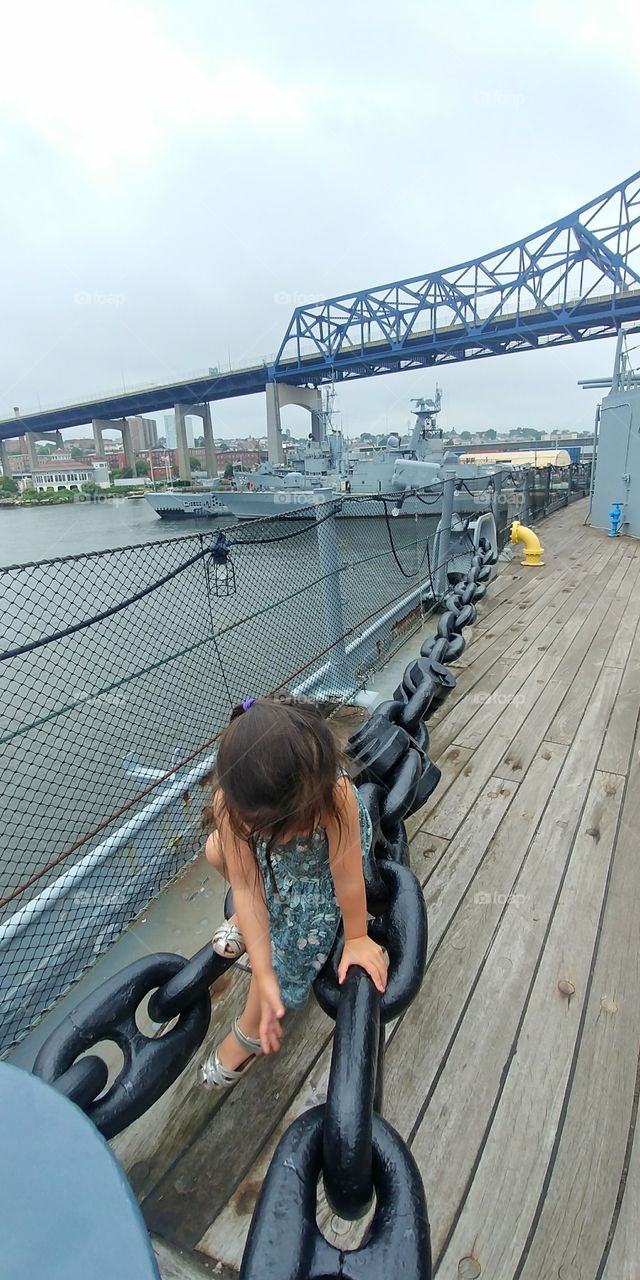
column 425, row 426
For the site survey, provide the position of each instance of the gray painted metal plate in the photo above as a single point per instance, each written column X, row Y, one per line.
column 68, row 1211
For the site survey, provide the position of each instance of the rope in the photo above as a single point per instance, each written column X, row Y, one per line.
column 106, row 613
column 282, row 537
column 393, row 550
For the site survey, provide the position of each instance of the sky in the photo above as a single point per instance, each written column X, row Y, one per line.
column 178, row 175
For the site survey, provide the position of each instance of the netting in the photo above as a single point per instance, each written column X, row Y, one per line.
column 530, row 495
column 119, row 669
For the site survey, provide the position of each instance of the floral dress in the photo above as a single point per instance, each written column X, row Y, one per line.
column 304, row 915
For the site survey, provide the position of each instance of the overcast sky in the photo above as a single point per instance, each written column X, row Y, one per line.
column 177, row 175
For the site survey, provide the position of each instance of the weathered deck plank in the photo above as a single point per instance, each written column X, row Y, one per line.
column 451, row 1133
column 474, row 691
column 618, row 740
column 460, row 947
column 599, row 1105
column 517, row 1141
column 573, row 705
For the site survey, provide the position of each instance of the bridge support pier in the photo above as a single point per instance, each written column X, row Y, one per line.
column 184, row 466
column 209, row 446
column 127, row 445
column 98, row 442
column 30, row 437
column 279, row 394
column 32, row 452
column 99, row 425
column 182, row 412
column 28, row 448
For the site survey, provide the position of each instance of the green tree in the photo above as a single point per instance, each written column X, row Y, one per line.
column 7, row 485
column 465, row 435
column 228, row 472
column 124, row 473
column 198, row 442
column 90, row 486
column 525, row 433
column 76, row 452
column 195, row 464
column 142, row 467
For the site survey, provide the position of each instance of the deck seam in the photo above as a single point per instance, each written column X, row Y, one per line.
column 578, row 1041
column 513, row 1049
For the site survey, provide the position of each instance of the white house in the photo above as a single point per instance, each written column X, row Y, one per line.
column 60, row 473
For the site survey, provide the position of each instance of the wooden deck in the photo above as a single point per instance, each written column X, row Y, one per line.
column 513, row 1076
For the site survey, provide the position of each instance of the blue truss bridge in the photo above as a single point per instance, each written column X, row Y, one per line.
column 576, row 279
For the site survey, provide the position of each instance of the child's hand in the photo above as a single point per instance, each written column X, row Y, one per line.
column 271, row 1011
column 365, row 952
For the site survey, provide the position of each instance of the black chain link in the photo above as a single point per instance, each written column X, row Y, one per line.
column 345, row 1139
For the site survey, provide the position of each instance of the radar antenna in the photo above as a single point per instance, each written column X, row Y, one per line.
column 426, row 412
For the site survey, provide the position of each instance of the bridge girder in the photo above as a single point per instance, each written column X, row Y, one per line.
column 576, row 278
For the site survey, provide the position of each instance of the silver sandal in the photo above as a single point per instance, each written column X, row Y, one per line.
column 228, row 941
column 212, row 1073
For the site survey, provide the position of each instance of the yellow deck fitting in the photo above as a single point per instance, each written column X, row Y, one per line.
column 531, row 543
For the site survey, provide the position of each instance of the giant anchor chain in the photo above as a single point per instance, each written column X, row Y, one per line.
column 345, row 1139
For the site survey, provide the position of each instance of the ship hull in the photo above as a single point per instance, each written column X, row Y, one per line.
column 181, row 506
column 258, row 505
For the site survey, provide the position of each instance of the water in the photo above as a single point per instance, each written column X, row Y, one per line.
column 36, row 533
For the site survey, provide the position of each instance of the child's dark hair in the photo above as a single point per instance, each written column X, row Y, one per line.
column 277, row 767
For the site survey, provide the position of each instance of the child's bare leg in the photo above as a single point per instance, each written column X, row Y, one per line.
column 213, row 854
column 230, row 1053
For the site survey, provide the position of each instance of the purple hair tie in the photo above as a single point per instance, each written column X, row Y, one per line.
column 248, row 702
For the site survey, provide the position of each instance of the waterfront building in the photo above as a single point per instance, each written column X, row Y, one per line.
column 60, row 473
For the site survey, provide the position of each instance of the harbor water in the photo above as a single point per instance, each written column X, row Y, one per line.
column 39, row 532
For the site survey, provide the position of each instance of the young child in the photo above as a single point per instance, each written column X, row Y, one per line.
column 290, row 835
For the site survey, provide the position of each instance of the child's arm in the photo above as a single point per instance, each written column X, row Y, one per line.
column 345, row 859
column 253, row 919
